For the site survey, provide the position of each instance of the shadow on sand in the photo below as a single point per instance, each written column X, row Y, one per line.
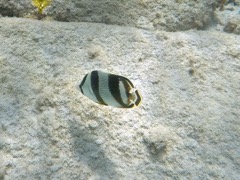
column 91, row 153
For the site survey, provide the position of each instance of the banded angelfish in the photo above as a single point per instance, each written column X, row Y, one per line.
column 109, row 89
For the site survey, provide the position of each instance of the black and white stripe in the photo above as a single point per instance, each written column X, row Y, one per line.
column 110, row 89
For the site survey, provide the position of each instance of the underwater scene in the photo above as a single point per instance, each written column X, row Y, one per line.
column 119, row 89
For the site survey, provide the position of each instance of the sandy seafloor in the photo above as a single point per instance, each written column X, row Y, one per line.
column 187, row 126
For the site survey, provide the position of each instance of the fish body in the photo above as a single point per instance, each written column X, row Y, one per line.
column 110, row 89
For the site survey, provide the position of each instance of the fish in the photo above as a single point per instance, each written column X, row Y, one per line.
column 110, row 90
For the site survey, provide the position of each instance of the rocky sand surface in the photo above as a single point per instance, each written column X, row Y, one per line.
column 186, row 128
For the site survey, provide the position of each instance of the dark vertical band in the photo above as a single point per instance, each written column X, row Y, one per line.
column 127, row 85
column 82, row 83
column 113, row 84
column 139, row 99
column 95, row 86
